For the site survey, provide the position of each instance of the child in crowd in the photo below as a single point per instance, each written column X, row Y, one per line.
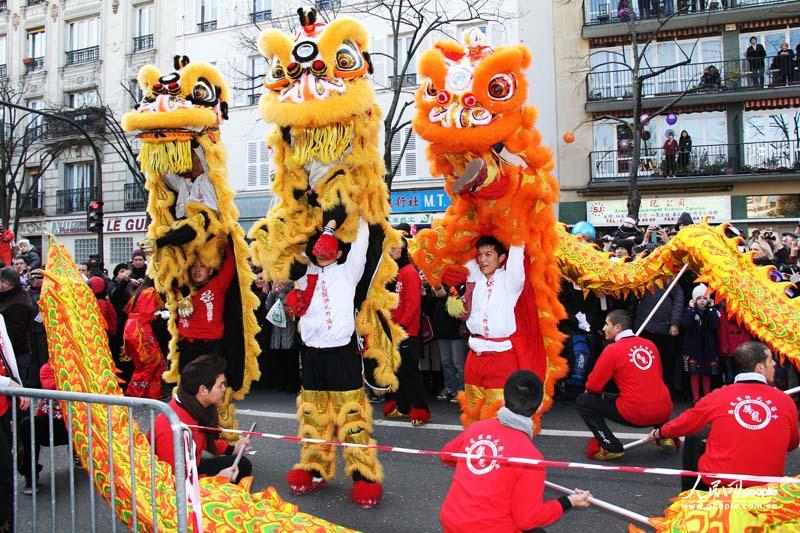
column 700, row 324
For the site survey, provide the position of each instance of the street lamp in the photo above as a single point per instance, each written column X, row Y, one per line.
column 98, row 171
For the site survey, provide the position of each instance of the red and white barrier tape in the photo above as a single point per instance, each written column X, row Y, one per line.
column 517, row 460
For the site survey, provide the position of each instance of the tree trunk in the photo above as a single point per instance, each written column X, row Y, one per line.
column 634, row 198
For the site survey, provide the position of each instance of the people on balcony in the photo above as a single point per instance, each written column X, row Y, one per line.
column 711, row 78
column 644, row 8
column 684, row 152
column 755, row 55
column 783, row 65
column 624, row 10
column 670, row 151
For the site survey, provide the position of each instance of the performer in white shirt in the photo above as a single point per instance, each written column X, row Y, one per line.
column 332, row 404
column 495, row 282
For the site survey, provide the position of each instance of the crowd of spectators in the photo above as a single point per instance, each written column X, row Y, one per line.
column 692, row 330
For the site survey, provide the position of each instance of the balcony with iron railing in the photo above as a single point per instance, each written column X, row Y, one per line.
column 3, row 5
column 406, row 80
column 696, row 78
column 84, row 55
column 34, row 2
column 609, row 11
column 143, row 42
column 261, row 16
column 33, row 204
column 135, row 197
column 253, row 98
column 209, row 25
column 700, row 163
column 91, row 119
column 33, row 64
column 72, row 200
column 34, row 132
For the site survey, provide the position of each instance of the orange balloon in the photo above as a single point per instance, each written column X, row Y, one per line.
column 569, row 137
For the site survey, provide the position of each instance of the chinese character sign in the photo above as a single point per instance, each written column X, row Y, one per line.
column 661, row 211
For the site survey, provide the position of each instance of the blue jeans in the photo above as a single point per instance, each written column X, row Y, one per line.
column 453, row 353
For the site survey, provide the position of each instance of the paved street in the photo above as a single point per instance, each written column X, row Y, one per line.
column 415, row 486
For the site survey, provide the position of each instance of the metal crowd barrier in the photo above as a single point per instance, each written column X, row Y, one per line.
column 152, row 409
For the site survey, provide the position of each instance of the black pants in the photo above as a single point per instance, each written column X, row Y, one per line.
column 669, row 165
column 212, row 465
column 189, row 351
column 411, row 390
column 286, row 364
column 6, row 475
column 332, row 369
column 694, row 446
column 28, row 370
column 41, row 438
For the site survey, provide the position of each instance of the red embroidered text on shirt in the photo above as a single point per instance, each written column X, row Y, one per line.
column 490, row 287
column 327, row 304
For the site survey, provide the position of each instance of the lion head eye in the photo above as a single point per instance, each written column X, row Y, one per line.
column 275, row 71
column 348, row 58
column 501, row 87
column 203, row 92
column 430, row 91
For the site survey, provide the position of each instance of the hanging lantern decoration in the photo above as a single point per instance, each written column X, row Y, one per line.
column 672, row 118
column 644, row 118
column 569, row 137
column 646, row 135
column 624, row 144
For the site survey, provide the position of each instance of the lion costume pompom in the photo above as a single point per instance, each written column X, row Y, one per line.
column 471, row 106
column 178, row 124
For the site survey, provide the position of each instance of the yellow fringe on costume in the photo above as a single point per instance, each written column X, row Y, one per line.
column 167, row 146
column 326, row 144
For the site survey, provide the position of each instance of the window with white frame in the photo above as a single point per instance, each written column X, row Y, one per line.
column 121, row 249
column 36, row 42
column 83, row 34
column 206, row 11
column 410, row 78
column 3, row 50
column 772, row 138
column 79, row 99
column 78, row 175
column 771, row 40
column 144, row 20
column 36, row 124
column 407, row 164
column 84, row 248
column 135, row 91
column 258, row 165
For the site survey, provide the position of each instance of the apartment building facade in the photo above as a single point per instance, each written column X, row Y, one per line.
column 743, row 120
column 73, row 58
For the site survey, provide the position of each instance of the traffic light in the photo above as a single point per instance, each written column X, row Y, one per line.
column 94, row 216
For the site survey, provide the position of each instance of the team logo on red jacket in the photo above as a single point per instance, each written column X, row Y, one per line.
column 753, row 413
column 483, row 454
column 642, row 357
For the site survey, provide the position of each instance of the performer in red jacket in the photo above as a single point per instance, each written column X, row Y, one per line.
column 201, row 390
column 635, row 366
column 753, row 425
column 490, row 495
column 141, row 344
column 410, row 399
column 6, row 242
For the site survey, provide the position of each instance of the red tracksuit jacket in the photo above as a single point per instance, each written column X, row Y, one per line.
column 409, row 292
column 163, row 436
column 635, row 365
column 488, row 496
column 753, row 426
column 208, row 301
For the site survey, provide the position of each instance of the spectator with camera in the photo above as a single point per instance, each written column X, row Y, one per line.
column 765, row 247
column 628, row 232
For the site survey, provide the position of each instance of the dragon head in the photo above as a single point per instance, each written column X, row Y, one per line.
column 175, row 109
column 319, row 77
column 472, row 96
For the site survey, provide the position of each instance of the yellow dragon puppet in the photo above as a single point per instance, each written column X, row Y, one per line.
column 471, row 109
column 194, row 220
column 329, row 171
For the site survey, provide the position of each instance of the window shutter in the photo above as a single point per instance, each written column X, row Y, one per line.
column 264, row 164
column 397, row 144
column 411, row 155
column 252, row 164
column 379, row 62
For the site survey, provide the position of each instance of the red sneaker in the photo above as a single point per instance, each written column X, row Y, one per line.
column 303, row 481
column 366, row 494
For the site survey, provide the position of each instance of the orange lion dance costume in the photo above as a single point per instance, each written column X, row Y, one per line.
column 471, row 109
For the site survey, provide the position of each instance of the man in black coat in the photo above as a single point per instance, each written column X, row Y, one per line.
column 17, row 310
column 755, row 55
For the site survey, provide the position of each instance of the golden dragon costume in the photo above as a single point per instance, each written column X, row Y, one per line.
column 82, row 362
column 471, row 110
column 328, row 167
column 178, row 123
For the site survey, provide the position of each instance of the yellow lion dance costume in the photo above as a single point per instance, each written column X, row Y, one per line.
column 178, row 124
column 328, row 167
column 471, row 107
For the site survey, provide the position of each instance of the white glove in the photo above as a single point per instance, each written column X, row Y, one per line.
column 185, row 307
column 164, row 315
column 582, row 322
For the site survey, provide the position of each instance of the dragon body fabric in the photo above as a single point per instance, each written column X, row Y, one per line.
column 178, row 123
column 328, row 167
column 470, row 107
column 82, row 362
